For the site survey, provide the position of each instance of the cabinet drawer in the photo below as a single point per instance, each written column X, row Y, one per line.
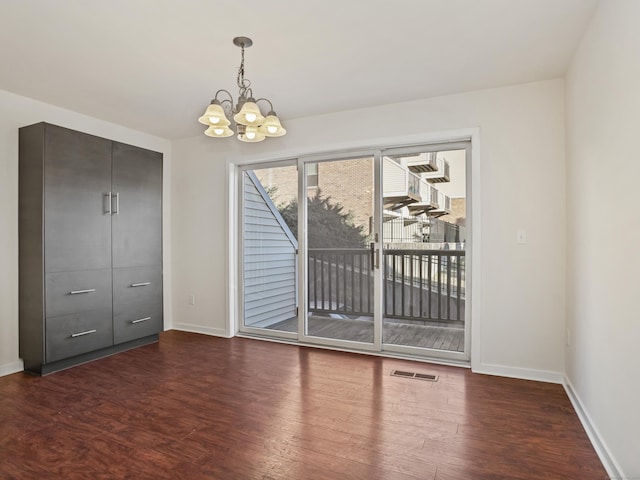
column 73, row 292
column 137, row 320
column 78, row 333
column 136, row 284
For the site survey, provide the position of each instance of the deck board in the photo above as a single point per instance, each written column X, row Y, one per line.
column 395, row 332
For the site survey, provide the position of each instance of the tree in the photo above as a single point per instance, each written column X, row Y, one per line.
column 328, row 225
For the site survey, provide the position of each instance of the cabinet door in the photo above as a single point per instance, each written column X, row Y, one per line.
column 77, row 223
column 137, row 221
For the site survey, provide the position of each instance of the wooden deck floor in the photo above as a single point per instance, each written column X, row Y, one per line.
column 197, row 407
column 395, row 332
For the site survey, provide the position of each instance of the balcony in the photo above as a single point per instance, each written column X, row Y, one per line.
column 429, row 199
column 424, row 162
column 443, row 208
column 400, row 186
column 441, row 175
column 424, row 296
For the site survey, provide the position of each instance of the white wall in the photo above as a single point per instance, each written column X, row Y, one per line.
column 522, row 186
column 603, row 197
column 199, row 212
column 15, row 112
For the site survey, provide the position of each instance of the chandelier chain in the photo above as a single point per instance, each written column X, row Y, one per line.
column 243, row 84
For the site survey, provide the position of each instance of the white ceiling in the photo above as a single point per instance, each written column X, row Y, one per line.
column 154, row 65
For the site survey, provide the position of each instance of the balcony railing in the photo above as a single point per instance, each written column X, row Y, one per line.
column 443, row 207
column 427, row 285
column 429, row 199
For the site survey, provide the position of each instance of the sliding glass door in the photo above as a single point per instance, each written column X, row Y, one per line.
column 340, row 251
column 362, row 251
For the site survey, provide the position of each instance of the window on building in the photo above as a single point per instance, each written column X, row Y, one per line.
column 312, row 175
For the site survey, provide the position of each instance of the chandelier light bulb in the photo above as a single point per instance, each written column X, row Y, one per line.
column 251, row 117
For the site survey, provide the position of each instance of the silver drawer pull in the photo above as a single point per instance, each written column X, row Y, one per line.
column 78, row 292
column 141, row 284
column 141, row 320
column 74, row 335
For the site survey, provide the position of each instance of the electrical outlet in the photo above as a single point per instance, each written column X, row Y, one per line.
column 191, row 299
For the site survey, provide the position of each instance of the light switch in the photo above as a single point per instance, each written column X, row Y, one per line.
column 192, row 299
column 521, row 236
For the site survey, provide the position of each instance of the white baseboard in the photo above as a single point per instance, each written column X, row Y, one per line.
column 521, row 373
column 611, row 466
column 9, row 368
column 215, row 332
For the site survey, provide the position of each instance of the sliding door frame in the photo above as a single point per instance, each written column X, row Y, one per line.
column 303, row 264
column 241, row 247
column 464, row 356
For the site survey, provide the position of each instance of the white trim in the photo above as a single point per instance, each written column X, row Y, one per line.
column 604, row 453
column 9, row 368
column 214, row 332
column 443, row 136
column 233, row 306
column 473, row 343
column 521, row 373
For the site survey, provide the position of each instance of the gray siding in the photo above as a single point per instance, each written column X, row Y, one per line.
column 270, row 294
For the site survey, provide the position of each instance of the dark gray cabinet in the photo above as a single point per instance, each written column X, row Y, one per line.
column 90, row 234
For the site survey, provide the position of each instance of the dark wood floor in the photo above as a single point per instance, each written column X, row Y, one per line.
column 195, row 407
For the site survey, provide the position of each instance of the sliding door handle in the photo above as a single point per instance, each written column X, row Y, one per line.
column 372, row 247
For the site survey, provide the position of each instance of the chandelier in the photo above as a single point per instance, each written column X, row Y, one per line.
column 252, row 126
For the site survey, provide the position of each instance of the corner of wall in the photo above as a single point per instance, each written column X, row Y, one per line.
column 602, row 450
column 9, row 368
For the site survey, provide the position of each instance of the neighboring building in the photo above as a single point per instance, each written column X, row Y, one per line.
column 424, row 194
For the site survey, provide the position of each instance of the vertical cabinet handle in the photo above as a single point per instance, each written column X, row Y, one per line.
column 107, row 203
column 116, row 209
